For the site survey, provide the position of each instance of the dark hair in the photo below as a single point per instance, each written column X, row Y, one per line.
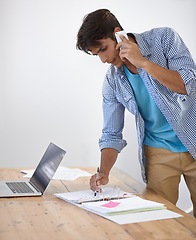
column 97, row 25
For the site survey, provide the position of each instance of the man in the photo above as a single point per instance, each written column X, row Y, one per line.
column 153, row 76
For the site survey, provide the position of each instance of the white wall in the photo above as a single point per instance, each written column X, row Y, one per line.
column 49, row 91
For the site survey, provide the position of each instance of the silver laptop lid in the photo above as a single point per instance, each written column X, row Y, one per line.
column 47, row 167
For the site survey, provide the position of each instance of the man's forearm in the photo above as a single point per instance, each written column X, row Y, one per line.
column 169, row 78
column 108, row 158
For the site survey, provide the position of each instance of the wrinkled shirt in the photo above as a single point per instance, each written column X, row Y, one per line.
column 164, row 47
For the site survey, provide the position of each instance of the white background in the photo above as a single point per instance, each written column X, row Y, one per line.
column 49, row 91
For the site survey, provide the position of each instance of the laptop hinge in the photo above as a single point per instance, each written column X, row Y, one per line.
column 35, row 187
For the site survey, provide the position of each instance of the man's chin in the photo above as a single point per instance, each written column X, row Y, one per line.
column 118, row 64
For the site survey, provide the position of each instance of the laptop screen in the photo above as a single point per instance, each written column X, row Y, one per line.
column 47, row 167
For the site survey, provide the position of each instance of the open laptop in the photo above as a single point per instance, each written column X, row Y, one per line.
column 38, row 183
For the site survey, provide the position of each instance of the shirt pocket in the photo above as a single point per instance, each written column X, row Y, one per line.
column 128, row 102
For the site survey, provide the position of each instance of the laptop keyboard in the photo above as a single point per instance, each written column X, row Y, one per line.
column 19, row 187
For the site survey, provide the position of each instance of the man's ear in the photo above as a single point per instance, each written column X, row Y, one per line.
column 116, row 29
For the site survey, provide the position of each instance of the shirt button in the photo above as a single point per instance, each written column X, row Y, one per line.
column 125, row 98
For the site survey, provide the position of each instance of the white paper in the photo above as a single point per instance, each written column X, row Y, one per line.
column 143, row 216
column 62, row 173
column 122, row 206
column 120, row 218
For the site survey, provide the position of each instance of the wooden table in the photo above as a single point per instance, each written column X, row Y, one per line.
column 48, row 217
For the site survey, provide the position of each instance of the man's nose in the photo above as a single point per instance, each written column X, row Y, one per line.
column 103, row 59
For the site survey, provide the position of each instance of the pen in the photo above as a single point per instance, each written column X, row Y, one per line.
column 96, row 180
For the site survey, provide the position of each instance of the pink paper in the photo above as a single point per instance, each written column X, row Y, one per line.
column 111, row 204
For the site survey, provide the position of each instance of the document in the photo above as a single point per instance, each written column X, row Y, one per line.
column 119, row 206
column 123, row 206
column 62, row 173
column 143, row 216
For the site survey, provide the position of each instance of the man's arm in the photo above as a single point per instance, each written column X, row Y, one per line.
column 111, row 141
column 169, row 78
column 108, row 158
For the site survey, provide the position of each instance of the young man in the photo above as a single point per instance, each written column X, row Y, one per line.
column 153, row 76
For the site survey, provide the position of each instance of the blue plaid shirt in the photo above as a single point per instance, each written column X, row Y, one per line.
column 164, row 47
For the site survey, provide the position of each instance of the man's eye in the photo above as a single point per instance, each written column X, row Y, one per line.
column 104, row 49
column 93, row 54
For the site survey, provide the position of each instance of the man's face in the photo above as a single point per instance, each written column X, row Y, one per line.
column 107, row 52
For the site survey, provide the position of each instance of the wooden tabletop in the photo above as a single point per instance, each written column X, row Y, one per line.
column 48, row 217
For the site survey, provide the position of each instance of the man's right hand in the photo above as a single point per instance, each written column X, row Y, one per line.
column 108, row 158
column 102, row 180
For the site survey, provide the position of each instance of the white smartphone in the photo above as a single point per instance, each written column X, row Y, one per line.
column 118, row 34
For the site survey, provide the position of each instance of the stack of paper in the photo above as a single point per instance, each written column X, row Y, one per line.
column 123, row 206
column 120, row 207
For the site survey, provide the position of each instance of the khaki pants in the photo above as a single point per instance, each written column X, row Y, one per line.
column 164, row 169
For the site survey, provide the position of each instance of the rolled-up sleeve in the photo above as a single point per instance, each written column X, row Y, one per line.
column 180, row 59
column 189, row 78
column 113, row 119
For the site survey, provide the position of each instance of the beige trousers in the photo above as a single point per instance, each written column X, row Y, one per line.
column 164, row 169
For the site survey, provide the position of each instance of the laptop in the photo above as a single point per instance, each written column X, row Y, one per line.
column 42, row 176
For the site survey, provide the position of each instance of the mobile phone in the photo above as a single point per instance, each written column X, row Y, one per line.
column 118, row 34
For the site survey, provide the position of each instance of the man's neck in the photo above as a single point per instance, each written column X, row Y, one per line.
column 131, row 67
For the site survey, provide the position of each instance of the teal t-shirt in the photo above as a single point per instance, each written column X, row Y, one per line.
column 158, row 132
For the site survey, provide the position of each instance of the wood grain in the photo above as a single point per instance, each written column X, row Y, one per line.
column 48, row 217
